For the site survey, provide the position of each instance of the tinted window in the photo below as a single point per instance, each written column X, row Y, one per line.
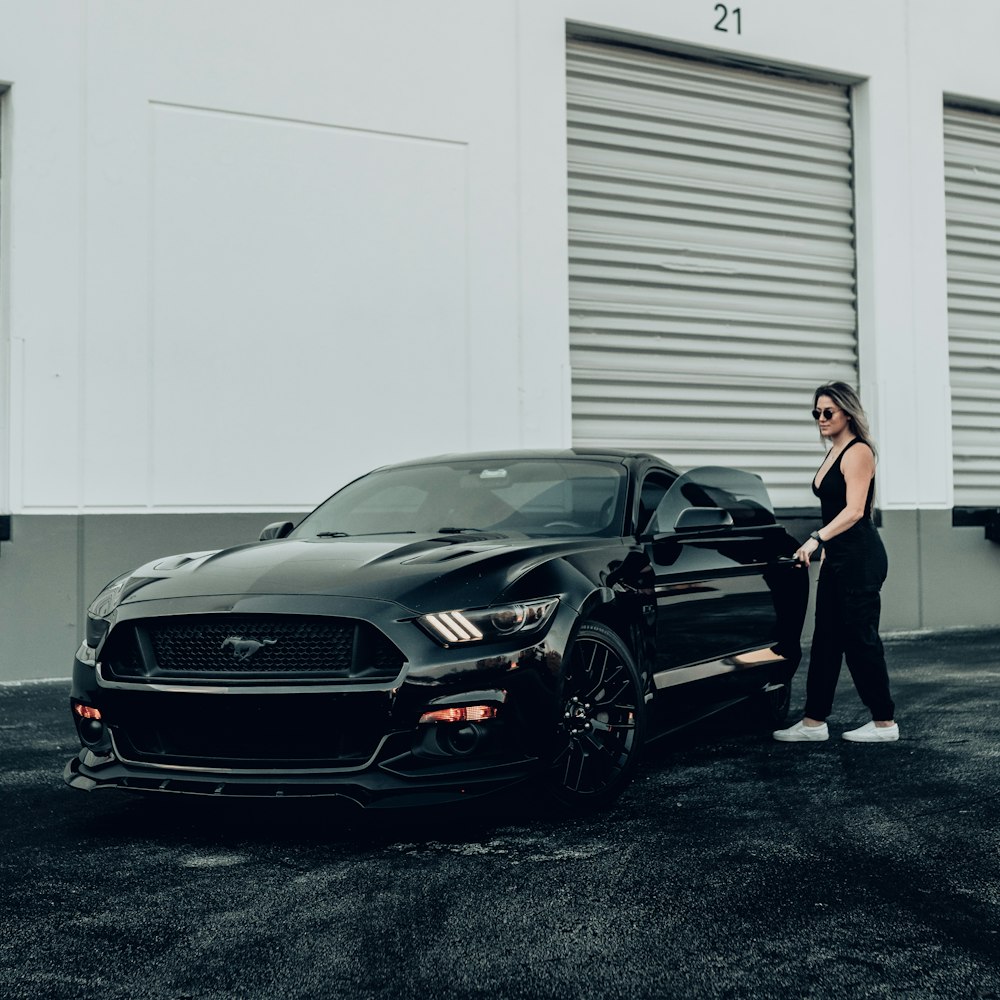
column 740, row 493
column 533, row 496
column 654, row 487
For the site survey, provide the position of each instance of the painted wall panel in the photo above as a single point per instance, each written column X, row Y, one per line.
column 40, row 57
column 115, row 260
column 39, row 598
column 309, row 312
column 432, row 272
column 959, row 571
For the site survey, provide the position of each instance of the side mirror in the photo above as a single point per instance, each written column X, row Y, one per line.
column 702, row 517
column 276, row 529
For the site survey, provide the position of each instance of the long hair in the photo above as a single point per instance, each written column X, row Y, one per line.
column 848, row 400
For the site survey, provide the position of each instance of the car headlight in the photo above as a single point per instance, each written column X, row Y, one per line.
column 97, row 624
column 107, row 600
column 451, row 628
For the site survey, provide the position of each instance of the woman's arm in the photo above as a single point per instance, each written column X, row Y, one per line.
column 858, row 468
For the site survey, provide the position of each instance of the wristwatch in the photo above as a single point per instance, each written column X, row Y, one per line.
column 814, row 535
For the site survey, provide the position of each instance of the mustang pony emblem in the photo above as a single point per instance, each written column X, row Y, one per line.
column 243, row 649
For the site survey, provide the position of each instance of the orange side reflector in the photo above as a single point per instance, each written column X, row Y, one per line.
column 86, row 711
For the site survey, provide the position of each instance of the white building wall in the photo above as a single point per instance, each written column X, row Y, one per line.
column 246, row 229
column 250, row 249
column 267, row 237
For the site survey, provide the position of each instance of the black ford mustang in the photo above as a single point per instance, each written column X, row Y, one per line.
column 445, row 628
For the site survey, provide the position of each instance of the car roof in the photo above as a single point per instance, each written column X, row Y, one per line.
column 616, row 455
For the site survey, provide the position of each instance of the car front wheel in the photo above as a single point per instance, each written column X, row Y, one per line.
column 601, row 728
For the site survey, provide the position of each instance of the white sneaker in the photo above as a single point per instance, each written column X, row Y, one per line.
column 870, row 733
column 800, row 732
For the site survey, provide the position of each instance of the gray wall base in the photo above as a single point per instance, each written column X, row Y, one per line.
column 53, row 566
column 940, row 576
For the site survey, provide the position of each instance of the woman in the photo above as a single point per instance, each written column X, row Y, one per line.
column 853, row 568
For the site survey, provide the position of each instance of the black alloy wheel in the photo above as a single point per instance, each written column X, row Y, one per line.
column 601, row 727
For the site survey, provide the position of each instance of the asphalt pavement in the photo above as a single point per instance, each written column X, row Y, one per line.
column 734, row 867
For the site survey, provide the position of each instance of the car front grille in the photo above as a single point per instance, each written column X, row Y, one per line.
column 248, row 731
column 265, row 648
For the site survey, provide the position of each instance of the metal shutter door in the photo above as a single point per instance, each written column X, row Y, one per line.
column 972, row 218
column 711, row 248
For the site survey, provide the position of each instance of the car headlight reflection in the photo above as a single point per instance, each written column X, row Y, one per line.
column 452, row 628
column 97, row 623
column 107, row 600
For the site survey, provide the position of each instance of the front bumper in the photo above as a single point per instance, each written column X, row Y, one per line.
column 357, row 740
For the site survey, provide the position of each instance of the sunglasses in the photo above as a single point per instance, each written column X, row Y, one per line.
column 826, row 414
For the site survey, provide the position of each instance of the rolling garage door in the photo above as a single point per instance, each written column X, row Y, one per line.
column 711, row 242
column 972, row 214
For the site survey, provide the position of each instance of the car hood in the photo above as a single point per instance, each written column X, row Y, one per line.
column 419, row 573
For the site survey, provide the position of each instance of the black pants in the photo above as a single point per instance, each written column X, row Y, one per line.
column 848, row 607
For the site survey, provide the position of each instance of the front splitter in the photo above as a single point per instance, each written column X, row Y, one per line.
column 370, row 790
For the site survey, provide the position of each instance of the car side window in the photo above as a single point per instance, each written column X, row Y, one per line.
column 741, row 494
column 654, row 487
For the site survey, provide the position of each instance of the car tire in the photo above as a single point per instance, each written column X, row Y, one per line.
column 601, row 724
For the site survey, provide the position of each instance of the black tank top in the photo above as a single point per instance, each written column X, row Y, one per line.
column 832, row 490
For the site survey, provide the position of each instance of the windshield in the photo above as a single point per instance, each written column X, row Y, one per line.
column 530, row 496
